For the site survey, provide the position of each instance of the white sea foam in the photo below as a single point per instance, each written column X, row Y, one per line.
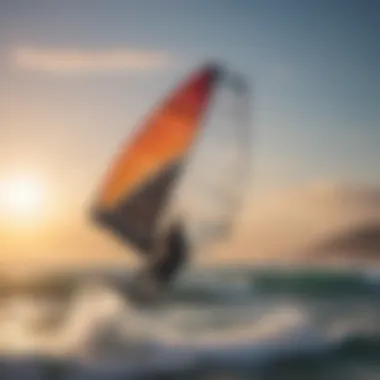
column 99, row 327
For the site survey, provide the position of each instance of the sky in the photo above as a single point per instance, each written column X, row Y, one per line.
column 76, row 77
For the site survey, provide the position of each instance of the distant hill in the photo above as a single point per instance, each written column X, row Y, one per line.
column 310, row 222
column 362, row 241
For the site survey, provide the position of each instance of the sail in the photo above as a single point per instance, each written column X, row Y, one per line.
column 137, row 187
column 211, row 192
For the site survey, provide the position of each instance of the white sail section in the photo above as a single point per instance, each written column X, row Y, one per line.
column 209, row 196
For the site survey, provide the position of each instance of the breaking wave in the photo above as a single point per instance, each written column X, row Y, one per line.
column 214, row 321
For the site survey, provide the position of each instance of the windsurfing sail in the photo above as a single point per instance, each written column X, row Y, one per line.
column 212, row 190
column 137, row 187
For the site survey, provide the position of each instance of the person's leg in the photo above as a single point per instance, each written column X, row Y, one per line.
column 149, row 283
column 167, row 265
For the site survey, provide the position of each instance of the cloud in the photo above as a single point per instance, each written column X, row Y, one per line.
column 77, row 61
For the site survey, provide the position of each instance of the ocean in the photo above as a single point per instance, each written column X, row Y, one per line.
column 217, row 323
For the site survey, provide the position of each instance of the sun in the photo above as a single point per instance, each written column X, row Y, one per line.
column 22, row 197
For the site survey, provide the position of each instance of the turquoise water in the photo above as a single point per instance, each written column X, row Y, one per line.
column 237, row 323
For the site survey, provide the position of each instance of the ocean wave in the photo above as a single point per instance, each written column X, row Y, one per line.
column 224, row 286
column 218, row 322
column 353, row 358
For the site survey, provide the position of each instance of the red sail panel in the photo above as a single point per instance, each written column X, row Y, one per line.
column 166, row 137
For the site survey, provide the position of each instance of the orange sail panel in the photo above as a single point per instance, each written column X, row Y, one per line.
column 137, row 185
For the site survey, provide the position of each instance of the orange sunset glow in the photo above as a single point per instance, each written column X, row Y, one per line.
column 24, row 198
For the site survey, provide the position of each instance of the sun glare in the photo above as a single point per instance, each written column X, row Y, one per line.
column 22, row 197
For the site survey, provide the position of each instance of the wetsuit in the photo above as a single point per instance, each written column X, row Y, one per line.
column 167, row 259
column 172, row 257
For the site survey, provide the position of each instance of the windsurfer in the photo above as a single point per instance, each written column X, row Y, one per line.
column 167, row 258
